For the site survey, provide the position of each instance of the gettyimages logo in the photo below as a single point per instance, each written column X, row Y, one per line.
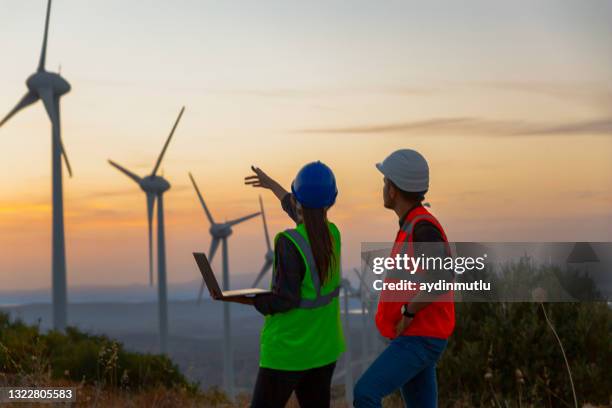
column 412, row 264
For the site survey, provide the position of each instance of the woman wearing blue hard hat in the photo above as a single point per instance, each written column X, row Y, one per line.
column 302, row 335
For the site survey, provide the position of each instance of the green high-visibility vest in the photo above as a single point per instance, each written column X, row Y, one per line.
column 310, row 335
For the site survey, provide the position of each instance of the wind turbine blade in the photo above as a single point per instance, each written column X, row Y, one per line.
column 43, row 52
column 27, row 100
column 208, row 214
column 46, row 94
column 52, row 107
column 64, row 154
column 267, row 265
column 125, row 171
column 150, row 207
column 263, row 216
column 214, row 244
column 161, row 155
column 239, row 220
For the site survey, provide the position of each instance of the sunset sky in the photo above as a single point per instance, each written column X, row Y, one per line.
column 510, row 102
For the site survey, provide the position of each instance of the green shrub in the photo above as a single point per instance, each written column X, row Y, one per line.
column 25, row 352
column 506, row 351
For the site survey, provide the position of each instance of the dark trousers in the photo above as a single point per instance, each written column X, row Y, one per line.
column 273, row 388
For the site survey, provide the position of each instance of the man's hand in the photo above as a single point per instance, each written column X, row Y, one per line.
column 262, row 180
column 403, row 323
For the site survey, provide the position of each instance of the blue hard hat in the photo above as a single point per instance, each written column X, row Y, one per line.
column 315, row 186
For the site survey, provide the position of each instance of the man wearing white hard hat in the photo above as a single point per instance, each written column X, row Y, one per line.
column 416, row 324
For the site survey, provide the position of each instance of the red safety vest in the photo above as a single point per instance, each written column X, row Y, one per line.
column 436, row 319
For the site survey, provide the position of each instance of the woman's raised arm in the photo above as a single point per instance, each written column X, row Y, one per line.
column 262, row 180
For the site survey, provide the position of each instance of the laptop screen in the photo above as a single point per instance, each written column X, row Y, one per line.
column 207, row 273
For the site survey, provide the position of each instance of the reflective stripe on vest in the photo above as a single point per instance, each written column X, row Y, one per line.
column 320, row 300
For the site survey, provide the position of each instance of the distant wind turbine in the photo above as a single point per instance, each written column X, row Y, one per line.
column 269, row 257
column 154, row 187
column 220, row 232
column 49, row 87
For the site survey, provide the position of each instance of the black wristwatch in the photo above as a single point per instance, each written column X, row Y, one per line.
column 406, row 313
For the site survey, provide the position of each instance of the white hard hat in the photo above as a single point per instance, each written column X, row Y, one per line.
column 407, row 169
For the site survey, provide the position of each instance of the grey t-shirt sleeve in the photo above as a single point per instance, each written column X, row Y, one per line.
column 287, row 279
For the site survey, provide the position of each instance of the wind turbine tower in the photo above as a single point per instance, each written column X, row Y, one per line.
column 49, row 87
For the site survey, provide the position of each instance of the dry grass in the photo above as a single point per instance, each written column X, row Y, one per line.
column 160, row 397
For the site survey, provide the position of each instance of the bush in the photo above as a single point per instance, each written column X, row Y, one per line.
column 506, row 351
column 27, row 354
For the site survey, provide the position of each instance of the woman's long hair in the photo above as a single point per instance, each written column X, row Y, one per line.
column 315, row 221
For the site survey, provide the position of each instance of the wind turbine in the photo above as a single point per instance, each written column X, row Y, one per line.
column 49, row 87
column 269, row 257
column 220, row 232
column 154, row 187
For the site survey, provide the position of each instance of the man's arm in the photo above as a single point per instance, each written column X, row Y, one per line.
column 428, row 241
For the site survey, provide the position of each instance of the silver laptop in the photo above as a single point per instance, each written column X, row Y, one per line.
column 213, row 286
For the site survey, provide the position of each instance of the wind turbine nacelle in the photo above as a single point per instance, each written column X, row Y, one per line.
column 50, row 80
column 154, row 184
column 270, row 256
column 220, row 230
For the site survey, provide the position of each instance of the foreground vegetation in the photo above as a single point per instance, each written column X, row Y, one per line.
column 501, row 355
column 30, row 356
column 506, row 354
column 530, row 354
column 100, row 369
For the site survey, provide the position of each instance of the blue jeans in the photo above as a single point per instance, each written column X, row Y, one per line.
column 408, row 363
